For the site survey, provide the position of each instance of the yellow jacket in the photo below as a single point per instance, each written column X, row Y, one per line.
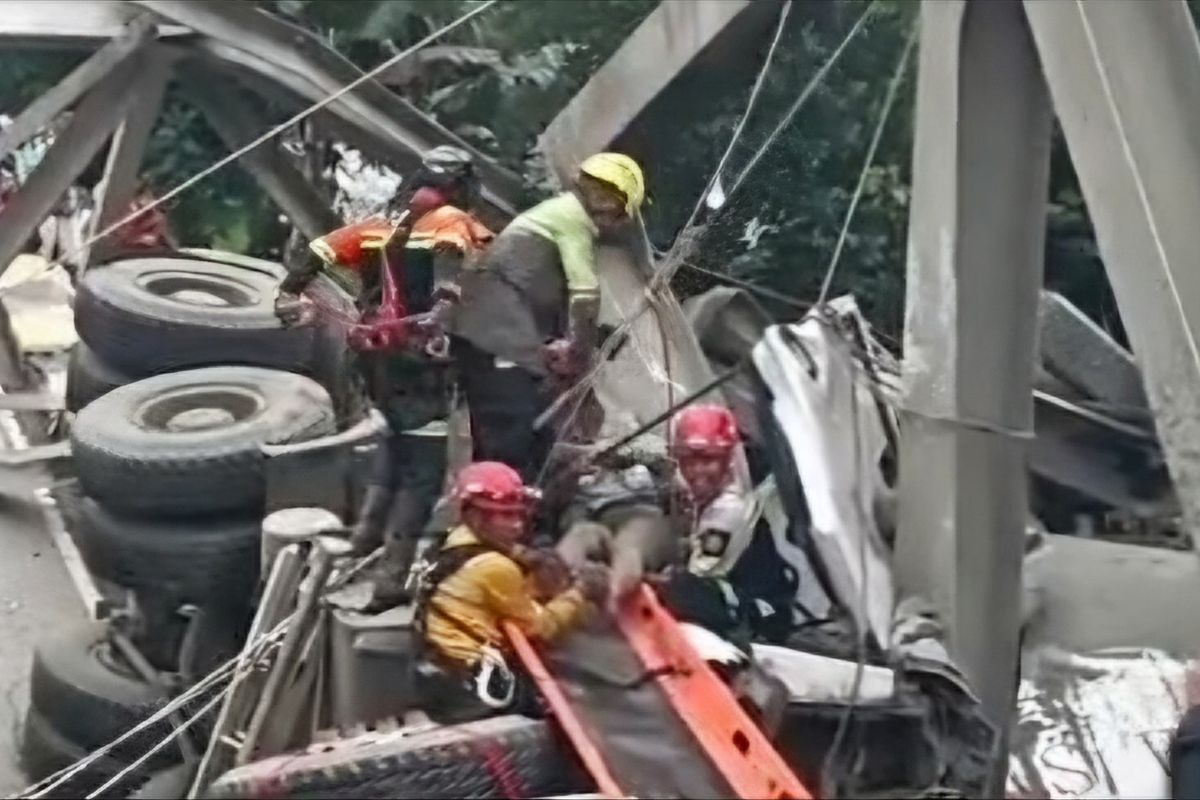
column 467, row 608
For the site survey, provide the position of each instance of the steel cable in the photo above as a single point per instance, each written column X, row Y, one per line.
column 177, row 732
column 240, row 662
column 281, row 127
column 888, row 101
column 576, row 394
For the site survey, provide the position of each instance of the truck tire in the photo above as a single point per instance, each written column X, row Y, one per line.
column 150, row 315
column 190, row 560
column 272, row 268
column 82, row 691
column 44, row 751
column 188, row 442
column 89, row 377
column 508, row 756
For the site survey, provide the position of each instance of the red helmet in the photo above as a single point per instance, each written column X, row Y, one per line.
column 705, row 430
column 492, row 486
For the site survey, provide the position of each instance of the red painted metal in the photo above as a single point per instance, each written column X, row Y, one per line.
column 733, row 742
column 567, row 719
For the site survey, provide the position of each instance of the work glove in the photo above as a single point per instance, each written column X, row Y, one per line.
column 564, row 360
column 429, row 331
column 592, row 580
column 293, row 310
column 572, row 355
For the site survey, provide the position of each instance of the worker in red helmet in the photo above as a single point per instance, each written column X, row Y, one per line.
column 426, row 235
column 688, row 513
column 480, row 578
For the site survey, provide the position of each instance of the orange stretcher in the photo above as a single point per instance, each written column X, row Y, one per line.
column 728, row 737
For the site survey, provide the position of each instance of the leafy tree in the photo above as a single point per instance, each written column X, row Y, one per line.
column 498, row 80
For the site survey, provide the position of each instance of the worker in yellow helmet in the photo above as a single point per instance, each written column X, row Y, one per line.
column 527, row 318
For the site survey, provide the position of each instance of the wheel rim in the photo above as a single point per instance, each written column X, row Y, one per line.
column 199, row 289
column 196, row 409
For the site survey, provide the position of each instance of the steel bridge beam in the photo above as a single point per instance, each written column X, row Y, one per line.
column 121, row 170
column 1125, row 78
column 95, row 118
column 42, row 111
column 976, row 231
column 67, row 22
column 238, row 34
column 237, row 122
column 669, row 39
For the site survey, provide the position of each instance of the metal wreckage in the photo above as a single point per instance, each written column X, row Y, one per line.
column 167, row 699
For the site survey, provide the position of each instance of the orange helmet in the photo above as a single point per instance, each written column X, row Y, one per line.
column 493, row 486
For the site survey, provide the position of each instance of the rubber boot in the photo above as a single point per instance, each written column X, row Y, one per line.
column 372, row 519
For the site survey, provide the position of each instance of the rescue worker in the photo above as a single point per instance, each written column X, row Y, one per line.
column 647, row 518
column 479, row 579
column 427, row 234
column 528, row 311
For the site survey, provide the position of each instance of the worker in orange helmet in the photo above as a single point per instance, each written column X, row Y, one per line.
column 481, row 577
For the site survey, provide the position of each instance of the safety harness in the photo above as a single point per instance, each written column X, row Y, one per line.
column 491, row 680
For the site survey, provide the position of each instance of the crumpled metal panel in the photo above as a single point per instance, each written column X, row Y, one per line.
column 836, row 436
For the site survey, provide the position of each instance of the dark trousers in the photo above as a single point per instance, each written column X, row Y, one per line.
column 1185, row 757
column 412, row 470
column 504, row 403
column 448, row 695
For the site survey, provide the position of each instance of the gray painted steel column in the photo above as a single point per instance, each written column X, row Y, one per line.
column 1125, row 78
column 976, row 232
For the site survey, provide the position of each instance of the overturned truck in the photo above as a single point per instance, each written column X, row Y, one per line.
column 320, row 702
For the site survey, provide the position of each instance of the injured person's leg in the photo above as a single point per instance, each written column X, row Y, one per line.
column 632, row 539
column 585, row 541
column 643, row 542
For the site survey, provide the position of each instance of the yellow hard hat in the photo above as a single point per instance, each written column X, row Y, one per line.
column 622, row 173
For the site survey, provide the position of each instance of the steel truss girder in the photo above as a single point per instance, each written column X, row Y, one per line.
column 236, row 33
column 49, row 105
column 236, row 122
column 1125, row 81
column 121, row 170
column 1125, row 78
column 95, row 118
column 660, row 48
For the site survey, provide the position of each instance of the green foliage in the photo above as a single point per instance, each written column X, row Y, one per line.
column 499, row 79
column 226, row 210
